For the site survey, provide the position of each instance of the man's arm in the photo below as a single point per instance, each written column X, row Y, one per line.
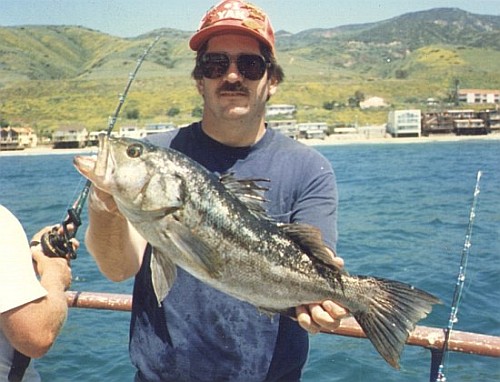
column 32, row 328
column 116, row 246
column 317, row 206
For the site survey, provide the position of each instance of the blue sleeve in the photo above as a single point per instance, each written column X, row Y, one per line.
column 303, row 188
column 317, row 198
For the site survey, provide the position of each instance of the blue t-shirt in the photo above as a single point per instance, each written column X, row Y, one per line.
column 202, row 334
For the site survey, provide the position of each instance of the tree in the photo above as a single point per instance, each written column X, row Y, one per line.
column 197, row 112
column 132, row 114
column 173, row 111
column 355, row 100
column 328, row 105
column 454, row 93
column 401, row 74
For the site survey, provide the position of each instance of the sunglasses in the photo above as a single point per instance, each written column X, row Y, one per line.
column 251, row 66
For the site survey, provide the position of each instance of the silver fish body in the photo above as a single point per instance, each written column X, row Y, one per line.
column 214, row 228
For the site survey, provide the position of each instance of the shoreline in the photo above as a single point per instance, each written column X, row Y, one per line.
column 348, row 139
column 332, row 140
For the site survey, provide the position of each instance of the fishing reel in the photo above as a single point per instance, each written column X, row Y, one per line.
column 55, row 244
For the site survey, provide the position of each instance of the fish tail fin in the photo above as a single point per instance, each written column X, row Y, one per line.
column 392, row 314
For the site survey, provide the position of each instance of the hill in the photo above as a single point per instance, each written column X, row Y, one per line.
column 54, row 75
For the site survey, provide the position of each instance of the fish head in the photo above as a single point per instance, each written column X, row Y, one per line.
column 138, row 175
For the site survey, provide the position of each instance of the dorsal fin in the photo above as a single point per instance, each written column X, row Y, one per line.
column 309, row 239
column 247, row 191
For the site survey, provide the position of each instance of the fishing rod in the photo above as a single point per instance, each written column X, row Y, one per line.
column 59, row 245
column 438, row 375
column 55, row 244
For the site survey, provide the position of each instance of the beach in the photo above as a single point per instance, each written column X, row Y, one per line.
column 342, row 139
column 331, row 140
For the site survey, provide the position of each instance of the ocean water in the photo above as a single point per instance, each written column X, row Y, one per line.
column 403, row 214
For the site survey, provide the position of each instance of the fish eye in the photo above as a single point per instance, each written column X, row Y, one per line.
column 134, row 150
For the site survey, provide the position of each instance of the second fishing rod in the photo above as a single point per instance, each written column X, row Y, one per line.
column 56, row 244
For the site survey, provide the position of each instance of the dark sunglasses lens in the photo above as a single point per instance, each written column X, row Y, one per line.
column 214, row 65
column 252, row 66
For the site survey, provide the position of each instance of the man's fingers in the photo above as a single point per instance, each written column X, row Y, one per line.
column 305, row 321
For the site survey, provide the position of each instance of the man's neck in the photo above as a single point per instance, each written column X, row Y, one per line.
column 235, row 133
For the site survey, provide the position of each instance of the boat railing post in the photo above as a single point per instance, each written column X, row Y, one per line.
column 436, row 359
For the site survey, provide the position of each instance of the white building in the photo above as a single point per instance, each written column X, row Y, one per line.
column 312, row 130
column 372, row 102
column 17, row 138
column 70, row 137
column 479, row 96
column 155, row 128
column 404, row 123
column 287, row 127
column 132, row 132
column 286, row 110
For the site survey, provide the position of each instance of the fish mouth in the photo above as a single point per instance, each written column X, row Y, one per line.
column 85, row 165
column 96, row 168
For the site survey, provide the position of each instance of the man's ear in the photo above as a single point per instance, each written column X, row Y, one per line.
column 200, row 86
column 273, row 85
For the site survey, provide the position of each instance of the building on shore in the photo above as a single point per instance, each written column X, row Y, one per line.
column 491, row 119
column 17, row 138
column 281, row 110
column 132, row 132
column 469, row 126
column 161, row 127
column 460, row 122
column 70, row 137
column 404, row 123
column 312, row 130
column 287, row 127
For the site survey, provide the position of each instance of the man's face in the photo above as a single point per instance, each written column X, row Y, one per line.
column 232, row 96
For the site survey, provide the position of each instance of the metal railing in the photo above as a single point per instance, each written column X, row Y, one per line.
column 423, row 336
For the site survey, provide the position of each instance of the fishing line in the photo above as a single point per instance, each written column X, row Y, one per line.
column 56, row 245
column 459, row 286
column 76, row 192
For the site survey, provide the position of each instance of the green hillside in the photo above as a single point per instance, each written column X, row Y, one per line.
column 58, row 75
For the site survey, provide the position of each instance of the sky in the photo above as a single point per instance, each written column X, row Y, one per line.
column 131, row 18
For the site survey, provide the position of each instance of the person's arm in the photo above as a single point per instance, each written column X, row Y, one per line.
column 317, row 206
column 33, row 327
column 115, row 245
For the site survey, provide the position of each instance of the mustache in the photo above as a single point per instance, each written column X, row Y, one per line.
column 233, row 87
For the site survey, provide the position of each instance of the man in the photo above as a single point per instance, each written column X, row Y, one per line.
column 32, row 311
column 198, row 333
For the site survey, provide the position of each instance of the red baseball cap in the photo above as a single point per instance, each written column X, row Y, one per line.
column 234, row 16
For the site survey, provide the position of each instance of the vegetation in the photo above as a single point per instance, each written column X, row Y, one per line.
column 52, row 76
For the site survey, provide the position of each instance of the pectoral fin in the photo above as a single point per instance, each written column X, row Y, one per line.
column 163, row 274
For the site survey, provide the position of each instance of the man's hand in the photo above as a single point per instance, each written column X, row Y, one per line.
column 321, row 316
column 317, row 317
column 56, row 232
column 53, row 271
column 101, row 201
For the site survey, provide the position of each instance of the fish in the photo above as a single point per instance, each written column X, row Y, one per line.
column 215, row 227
